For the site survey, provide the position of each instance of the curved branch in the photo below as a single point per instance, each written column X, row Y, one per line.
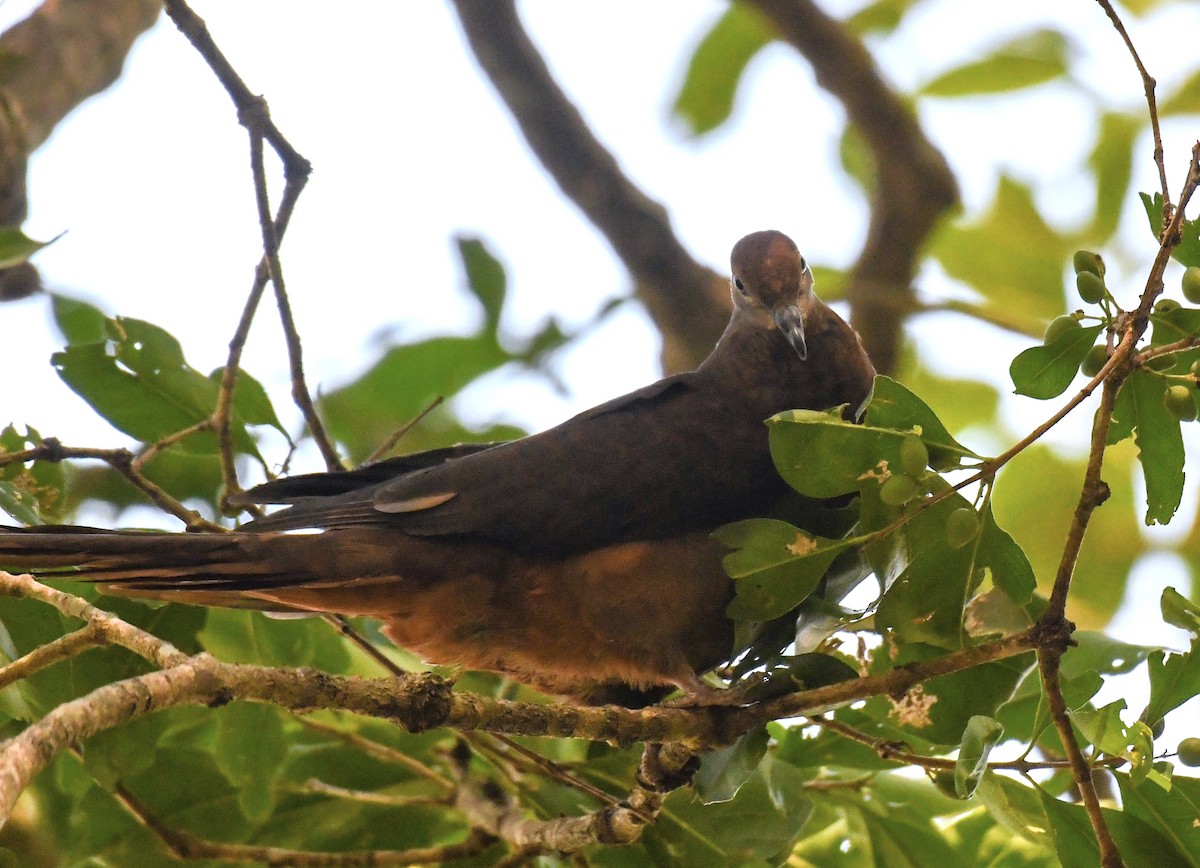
column 914, row 185
column 63, row 53
column 689, row 302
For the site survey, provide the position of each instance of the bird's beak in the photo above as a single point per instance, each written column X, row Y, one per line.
column 789, row 319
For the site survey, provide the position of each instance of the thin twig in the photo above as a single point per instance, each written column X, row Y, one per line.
column 185, row 845
column 122, row 461
column 992, row 316
column 1148, row 85
column 318, row 787
column 896, row 751
column 380, row 751
column 386, row 446
column 44, row 656
column 255, row 119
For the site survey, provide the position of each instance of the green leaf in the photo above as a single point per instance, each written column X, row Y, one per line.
column 1179, row 611
column 251, row 403
column 80, row 322
column 925, row 603
column 1009, row 566
column 1016, row 807
column 1032, row 503
column 1185, row 100
column 31, row 492
column 1188, row 249
column 764, row 819
column 249, row 752
column 900, row 842
column 1111, row 162
column 388, row 396
column 705, row 99
column 16, row 246
column 894, row 406
column 1026, row 716
column 1011, row 255
column 485, row 279
column 822, row 455
column 1171, row 812
column 775, row 564
column 881, row 17
column 723, row 771
column 1174, row 679
column 1029, row 60
column 1045, row 371
column 1140, row 844
column 939, row 711
column 1103, row 727
column 789, row 673
column 140, row 382
column 981, row 735
column 828, row 748
column 1159, row 440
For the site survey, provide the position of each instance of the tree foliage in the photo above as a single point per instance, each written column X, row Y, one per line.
column 920, row 695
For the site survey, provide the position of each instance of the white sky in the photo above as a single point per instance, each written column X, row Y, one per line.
column 410, row 146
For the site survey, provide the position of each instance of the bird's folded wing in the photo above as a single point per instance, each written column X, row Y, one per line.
column 551, row 493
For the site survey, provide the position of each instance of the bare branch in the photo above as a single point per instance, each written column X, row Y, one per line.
column 689, row 302
column 914, row 185
column 1148, row 85
column 61, row 55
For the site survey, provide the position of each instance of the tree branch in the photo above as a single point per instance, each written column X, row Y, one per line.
column 688, row 302
column 914, row 185
column 62, row 54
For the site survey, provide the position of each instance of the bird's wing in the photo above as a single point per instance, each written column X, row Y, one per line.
column 573, row 487
column 293, row 489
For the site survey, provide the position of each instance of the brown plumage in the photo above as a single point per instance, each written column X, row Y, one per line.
column 578, row 559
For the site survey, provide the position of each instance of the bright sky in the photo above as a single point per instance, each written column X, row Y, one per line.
column 411, row 146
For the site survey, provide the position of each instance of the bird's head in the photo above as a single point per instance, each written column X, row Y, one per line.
column 772, row 285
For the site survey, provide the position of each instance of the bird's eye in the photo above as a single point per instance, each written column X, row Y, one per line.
column 803, row 264
column 739, row 286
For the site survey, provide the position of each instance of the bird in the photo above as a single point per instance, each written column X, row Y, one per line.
column 579, row 560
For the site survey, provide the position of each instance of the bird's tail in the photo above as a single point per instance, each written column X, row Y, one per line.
column 206, row 569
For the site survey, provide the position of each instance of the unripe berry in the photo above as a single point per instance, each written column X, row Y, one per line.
column 961, row 527
column 1058, row 327
column 898, row 490
column 1089, row 286
column 1179, row 403
column 913, row 456
column 1095, row 359
column 1086, row 261
column 1191, row 284
column 1189, row 752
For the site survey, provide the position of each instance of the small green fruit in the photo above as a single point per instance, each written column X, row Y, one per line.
column 1090, row 286
column 1179, row 403
column 1195, row 369
column 1167, row 305
column 1191, row 284
column 1086, row 261
column 898, row 489
column 944, row 781
column 1058, row 327
column 961, row 527
column 1189, row 752
column 1157, row 728
column 1095, row 360
column 1161, row 363
column 913, row 456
